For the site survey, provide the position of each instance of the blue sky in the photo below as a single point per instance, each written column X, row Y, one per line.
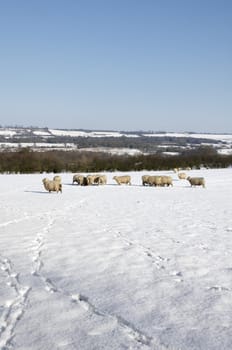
column 161, row 65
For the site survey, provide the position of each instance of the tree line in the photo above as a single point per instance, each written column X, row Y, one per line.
column 25, row 161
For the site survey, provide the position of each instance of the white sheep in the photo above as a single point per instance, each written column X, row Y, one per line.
column 145, row 180
column 100, row 180
column 79, row 179
column 166, row 180
column 124, row 179
column 57, row 178
column 196, row 181
column 182, row 176
column 52, row 186
column 92, row 179
column 154, row 180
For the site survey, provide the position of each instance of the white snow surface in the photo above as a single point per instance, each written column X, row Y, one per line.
column 219, row 137
column 116, row 267
column 41, row 133
column 225, row 151
column 77, row 133
column 7, row 132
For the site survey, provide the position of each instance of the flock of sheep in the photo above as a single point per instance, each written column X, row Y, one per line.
column 55, row 185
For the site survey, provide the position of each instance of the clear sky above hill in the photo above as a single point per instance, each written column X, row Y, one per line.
column 162, row 65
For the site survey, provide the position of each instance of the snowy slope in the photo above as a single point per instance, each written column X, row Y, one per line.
column 116, row 267
column 42, row 139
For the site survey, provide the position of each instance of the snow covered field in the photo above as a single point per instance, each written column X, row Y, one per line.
column 116, row 267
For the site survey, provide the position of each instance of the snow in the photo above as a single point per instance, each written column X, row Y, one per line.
column 171, row 153
column 77, row 133
column 41, row 133
column 116, row 267
column 38, row 145
column 69, row 146
column 226, row 151
column 72, row 133
column 218, row 137
column 114, row 150
column 222, row 142
column 6, row 132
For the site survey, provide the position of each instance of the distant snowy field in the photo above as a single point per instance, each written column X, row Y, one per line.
column 116, row 267
column 10, row 140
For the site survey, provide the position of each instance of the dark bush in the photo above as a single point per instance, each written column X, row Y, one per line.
column 26, row 161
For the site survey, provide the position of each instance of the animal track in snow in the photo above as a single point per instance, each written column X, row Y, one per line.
column 16, row 221
column 204, row 247
column 83, row 301
column 37, row 247
column 218, row 288
column 13, row 310
column 157, row 260
column 178, row 276
column 126, row 326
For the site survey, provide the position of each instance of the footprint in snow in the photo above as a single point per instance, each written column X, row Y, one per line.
column 218, row 288
column 49, row 286
column 177, row 274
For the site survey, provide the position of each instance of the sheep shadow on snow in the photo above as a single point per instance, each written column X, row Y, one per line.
column 38, row 192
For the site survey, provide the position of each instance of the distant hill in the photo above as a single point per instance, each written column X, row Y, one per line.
column 130, row 142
